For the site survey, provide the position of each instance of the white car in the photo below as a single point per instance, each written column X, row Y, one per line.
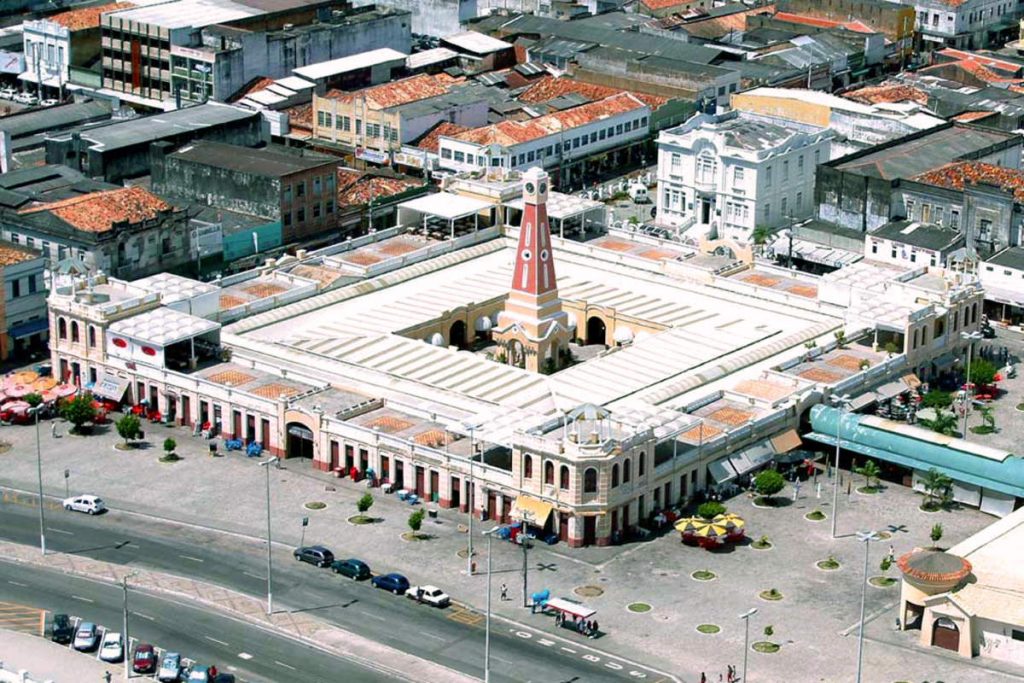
column 8, row 93
column 432, row 595
column 49, row 103
column 91, row 505
column 26, row 98
column 110, row 648
column 170, row 668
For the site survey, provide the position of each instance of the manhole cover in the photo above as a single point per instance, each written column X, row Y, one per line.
column 588, row 591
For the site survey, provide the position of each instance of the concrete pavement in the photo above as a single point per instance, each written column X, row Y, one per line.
column 46, row 661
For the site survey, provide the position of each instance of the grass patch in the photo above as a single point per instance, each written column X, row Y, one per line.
column 829, row 564
column 170, row 457
column 982, row 429
column 415, row 536
column 869, row 490
column 772, row 594
column 883, row 535
column 1020, row 407
column 815, row 516
column 761, row 544
column 882, row 581
column 930, row 506
column 766, row 648
column 704, row 575
column 638, row 607
column 314, row 505
column 588, row 591
column 709, row 629
column 361, row 519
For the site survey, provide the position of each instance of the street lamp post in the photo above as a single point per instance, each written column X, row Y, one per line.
column 866, row 537
column 746, row 638
column 39, row 472
column 970, row 338
column 270, row 593
column 470, row 490
column 124, row 631
column 487, row 626
column 840, row 402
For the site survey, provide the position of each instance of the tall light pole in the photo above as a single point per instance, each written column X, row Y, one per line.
column 746, row 638
column 470, row 490
column 39, row 472
column 270, row 593
column 970, row 338
column 124, row 631
column 840, row 403
column 865, row 537
column 487, row 627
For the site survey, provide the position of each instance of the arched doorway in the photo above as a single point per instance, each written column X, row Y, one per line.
column 597, row 333
column 516, row 353
column 300, row 441
column 457, row 334
column 946, row 634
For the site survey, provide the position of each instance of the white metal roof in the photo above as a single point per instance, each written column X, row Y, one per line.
column 561, row 206
column 362, row 60
column 173, row 287
column 432, row 56
column 295, row 83
column 473, row 41
column 163, row 326
column 185, row 13
column 446, row 205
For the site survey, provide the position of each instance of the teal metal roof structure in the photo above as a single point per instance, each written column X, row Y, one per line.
column 920, row 449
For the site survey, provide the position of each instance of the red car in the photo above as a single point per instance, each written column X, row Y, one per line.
column 144, row 659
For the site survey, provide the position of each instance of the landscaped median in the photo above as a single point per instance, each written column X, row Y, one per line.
column 296, row 625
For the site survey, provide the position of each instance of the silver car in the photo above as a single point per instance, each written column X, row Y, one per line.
column 170, row 668
column 86, row 637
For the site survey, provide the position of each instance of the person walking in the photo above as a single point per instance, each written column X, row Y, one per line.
column 703, row 677
column 504, row 592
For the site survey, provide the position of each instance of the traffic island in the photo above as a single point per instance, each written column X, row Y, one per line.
column 771, row 595
column 703, row 575
column 828, row 565
column 709, row 629
column 815, row 516
column 588, row 591
column 315, row 505
column 765, row 647
column 638, row 607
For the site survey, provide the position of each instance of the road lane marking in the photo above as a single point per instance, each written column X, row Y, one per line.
column 433, row 635
column 504, row 661
column 244, row 655
column 15, row 583
column 255, row 576
column 569, row 650
column 189, row 557
column 372, row 616
column 59, row 531
column 79, row 597
column 214, row 640
column 144, row 616
column 287, row 666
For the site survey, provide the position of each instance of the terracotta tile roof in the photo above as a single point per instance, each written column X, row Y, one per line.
column 99, row 211
column 11, row 254
column 982, row 58
column 515, row 132
column 761, row 280
column 399, row 92
column 234, row 377
column 301, row 117
column 549, row 87
column 887, row 92
column 809, row 291
column 956, row 175
column 716, row 27
column 975, row 67
column 662, row 4
column 701, row 432
column 86, row 17
column 325, row 276
column 432, row 438
column 851, row 25
column 762, row 389
column 389, row 424
column 819, row 375
column 356, row 189
column 847, row 362
column 228, row 301
column 274, row 390
column 430, row 141
column 969, row 116
column 731, row 416
column 264, row 290
column 259, row 84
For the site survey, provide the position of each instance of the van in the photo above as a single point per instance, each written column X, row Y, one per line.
column 638, row 193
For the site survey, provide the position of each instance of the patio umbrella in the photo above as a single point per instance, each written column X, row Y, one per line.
column 18, row 390
column 65, row 390
column 711, row 530
column 731, row 520
column 17, row 406
column 687, row 525
column 49, row 396
column 24, row 377
column 44, row 383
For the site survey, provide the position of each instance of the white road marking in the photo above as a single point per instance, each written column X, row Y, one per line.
column 287, row 666
column 504, row 661
column 545, row 642
column 432, row 635
column 78, row 597
column 244, row 655
column 255, row 576
column 189, row 557
column 144, row 616
column 59, row 531
column 372, row 616
column 214, row 640
column 15, row 583
column 569, row 650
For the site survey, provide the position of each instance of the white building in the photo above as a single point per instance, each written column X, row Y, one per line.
column 966, row 24
column 730, row 173
column 47, row 53
column 910, row 243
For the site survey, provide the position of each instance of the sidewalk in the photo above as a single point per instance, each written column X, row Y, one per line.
column 46, row 661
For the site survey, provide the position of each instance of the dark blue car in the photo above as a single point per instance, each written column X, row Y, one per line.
column 396, row 583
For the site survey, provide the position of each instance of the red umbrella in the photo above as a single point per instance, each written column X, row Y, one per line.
column 65, row 390
column 18, row 390
column 49, row 396
column 17, row 406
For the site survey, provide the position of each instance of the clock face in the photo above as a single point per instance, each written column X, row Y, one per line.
column 543, row 188
column 529, row 188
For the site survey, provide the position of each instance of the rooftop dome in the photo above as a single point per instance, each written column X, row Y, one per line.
column 933, row 571
column 588, row 412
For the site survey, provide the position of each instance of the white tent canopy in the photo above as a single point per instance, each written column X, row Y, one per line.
column 446, row 206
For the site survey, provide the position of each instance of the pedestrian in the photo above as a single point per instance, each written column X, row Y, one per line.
column 504, row 592
column 595, row 629
column 892, row 553
column 53, row 429
column 703, row 677
column 106, row 676
column 796, row 490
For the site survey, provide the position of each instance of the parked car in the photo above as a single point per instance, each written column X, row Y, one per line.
column 314, row 554
column 8, row 93
column 111, row 649
column 396, row 583
column 198, row 674
column 144, row 659
column 86, row 637
column 91, row 505
column 62, row 631
column 49, row 103
column 432, row 595
column 352, row 568
column 170, row 668
column 26, row 98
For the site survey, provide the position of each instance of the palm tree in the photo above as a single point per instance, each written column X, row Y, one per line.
column 870, row 471
column 760, row 235
column 936, row 485
column 987, row 417
column 944, row 423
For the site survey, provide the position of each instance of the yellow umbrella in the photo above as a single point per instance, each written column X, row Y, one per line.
column 687, row 525
column 730, row 520
column 44, row 383
column 711, row 529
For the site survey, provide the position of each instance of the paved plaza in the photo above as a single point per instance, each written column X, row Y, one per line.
column 814, row 622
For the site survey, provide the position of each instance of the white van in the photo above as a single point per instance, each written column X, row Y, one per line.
column 638, row 193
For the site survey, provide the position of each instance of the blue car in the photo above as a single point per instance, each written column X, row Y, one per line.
column 396, row 583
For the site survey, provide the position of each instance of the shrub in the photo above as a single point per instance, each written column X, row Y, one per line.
column 936, row 533
column 769, row 630
column 416, row 521
column 710, row 509
column 128, row 427
column 169, row 445
column 768, row 483
column 886, row 564
column 33, row 399
column 364, row 503
column 937, row 399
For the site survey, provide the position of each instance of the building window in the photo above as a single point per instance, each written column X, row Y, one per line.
column 706, row 168
column 446, row 153
column 74, row 332
column 287, row 194
column 785, row 170
column 316, row 210
column 615, row 475
column 800, row 165
column 320, row 118
column 32, row 284
column 549, row 472
column 874, row 247
column 590, row 480
column 767, row 211
column 954, row 218
column 817, row 157
column 300, row 215
column 329, row 207
column 527, row 467
column 316, row 186
column 910, row 209
column 799, row 201
column 460, row 156
column 627, row 474
column 642, row 465
column 346, row 123
column 287, row 218
column 563, row 478
column 62, row 328
column 768, row 176
column 300, row 188
column 92, row 336
column 15, row 288
column 784, row 207
column 593, row 138
column 738, row 174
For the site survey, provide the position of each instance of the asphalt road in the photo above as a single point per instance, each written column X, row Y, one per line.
column 249, row 652
column 450, row 637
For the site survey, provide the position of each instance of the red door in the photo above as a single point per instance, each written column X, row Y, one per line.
column 563, row 527
column 265, row 433
column 435, row 485
column 186, row 411
column 334, row 455
column 236, row 424
column 456, row 494
column 492, row 504
column 419, row 481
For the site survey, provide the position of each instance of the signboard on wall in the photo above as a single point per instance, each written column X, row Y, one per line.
column 372, row 155
column 12, row 62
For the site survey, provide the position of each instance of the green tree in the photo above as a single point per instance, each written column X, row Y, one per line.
column 364, row 503
column 983, row 371
column 840, row 336
column 169, row 445
column 988, row 417
column 768, row 483
column 891, row 348
column 886, row 564
column 33, row 399
column 769, row 631
column 935, row 485
column 936, row 533
column 710, row 509
column 416, row 521
column 78, row 411
column 944, row 423
column 128, row 427
column 870, row 471
column 937, row 399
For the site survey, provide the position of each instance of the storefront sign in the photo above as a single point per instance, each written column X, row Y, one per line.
column 372, row 155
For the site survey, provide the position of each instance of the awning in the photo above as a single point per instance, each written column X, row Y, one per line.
column 944, row 361
column 300, row 431
column 531, row 510
column 863, row 401
column 111, row 387
column 721, row 471
column 572, row 608
column 786, row 441
column 891, row 390
column 911, row 380
column 741, row 463
column 27, row 329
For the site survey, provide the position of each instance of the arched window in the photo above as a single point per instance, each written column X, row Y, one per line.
column 92, row 335
column 626, row 471
column 74, row 332
column 549, row 472
column 915, row 340
column 974, row 312
column 640, row 467
column 528, row 466
column 62, row 328
column 590, row 480
column 563, row 478
column 615, row 475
